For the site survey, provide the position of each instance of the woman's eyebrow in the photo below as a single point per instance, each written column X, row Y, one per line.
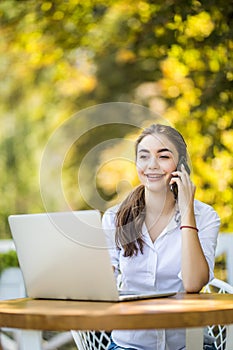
column 159, row 151
column 164, row 150
column 143, row 150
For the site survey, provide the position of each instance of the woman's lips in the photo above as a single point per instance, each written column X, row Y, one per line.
column 154, row 176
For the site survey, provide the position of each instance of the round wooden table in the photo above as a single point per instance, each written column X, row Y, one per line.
column 179, row 311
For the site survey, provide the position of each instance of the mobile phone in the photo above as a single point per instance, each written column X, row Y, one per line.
column 174, row 187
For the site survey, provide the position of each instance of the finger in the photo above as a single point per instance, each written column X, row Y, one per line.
column 184, row 175
column 174, row 178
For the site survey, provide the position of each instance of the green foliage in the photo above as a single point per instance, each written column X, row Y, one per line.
column 58, row 57
column 8, row 259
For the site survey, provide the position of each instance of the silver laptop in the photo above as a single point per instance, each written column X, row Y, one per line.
column 64, row 256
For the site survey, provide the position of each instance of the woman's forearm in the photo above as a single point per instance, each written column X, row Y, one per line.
column 194, row 267
column 195, row 270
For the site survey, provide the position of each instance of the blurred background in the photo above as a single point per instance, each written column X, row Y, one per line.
column 61, row 57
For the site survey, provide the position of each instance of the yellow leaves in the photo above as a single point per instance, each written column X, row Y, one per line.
column 116, row 170
column 144, row 11
column 124, row 56
column 174, row 69
column 223, row 163
column 212, row 163
column 199, row 26
column 197, row 152
column 216, row 57
column 176, row 24
column 58, row 15
column 76, row 75
column 214, row 65
column 53, row 52
column 227, row 140
column 159, row 31
column 213, row 176
column 174, row 73
column 117, row 175
column 36, row 50
column 229, row 76
column 224, row 96
column 182, row 106
column 76, row 84
column 46, row 6
column 175, row 84
column 224, row 122
column 192, row 58
column 173, row 91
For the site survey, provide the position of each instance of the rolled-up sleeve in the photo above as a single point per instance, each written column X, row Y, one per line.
column 208, row 223
column 109, row 227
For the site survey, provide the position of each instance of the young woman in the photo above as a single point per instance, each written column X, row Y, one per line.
column 161, row 237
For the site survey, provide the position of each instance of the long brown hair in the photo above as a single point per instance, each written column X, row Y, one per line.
column 131, row 213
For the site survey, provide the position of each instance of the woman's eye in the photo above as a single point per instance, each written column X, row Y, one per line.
column 164, row 157
column 143, row 156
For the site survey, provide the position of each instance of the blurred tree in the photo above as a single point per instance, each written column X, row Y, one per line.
column 58, row 57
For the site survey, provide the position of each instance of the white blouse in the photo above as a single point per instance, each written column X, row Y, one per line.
column 159, row 268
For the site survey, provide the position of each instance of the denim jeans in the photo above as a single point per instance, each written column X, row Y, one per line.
column 209, row 347
column 113, row 346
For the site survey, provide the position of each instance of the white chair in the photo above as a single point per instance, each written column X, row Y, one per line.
column 91, row 340
column 99, row 340
column 222, row 333
column 225, row 246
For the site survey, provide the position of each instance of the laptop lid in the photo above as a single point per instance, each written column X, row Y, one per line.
column 64, row 255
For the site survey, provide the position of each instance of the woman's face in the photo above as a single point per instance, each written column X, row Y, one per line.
column 157, row 158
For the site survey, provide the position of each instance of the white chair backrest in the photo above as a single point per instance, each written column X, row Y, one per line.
column 218, row 286
column 91, row 340
column 225, row 246
column 99, row 340
column 222, row 333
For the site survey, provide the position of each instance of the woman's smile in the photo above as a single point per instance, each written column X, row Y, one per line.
column 154, row 177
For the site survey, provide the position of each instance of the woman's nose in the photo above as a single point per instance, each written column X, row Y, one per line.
column 153, row 164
